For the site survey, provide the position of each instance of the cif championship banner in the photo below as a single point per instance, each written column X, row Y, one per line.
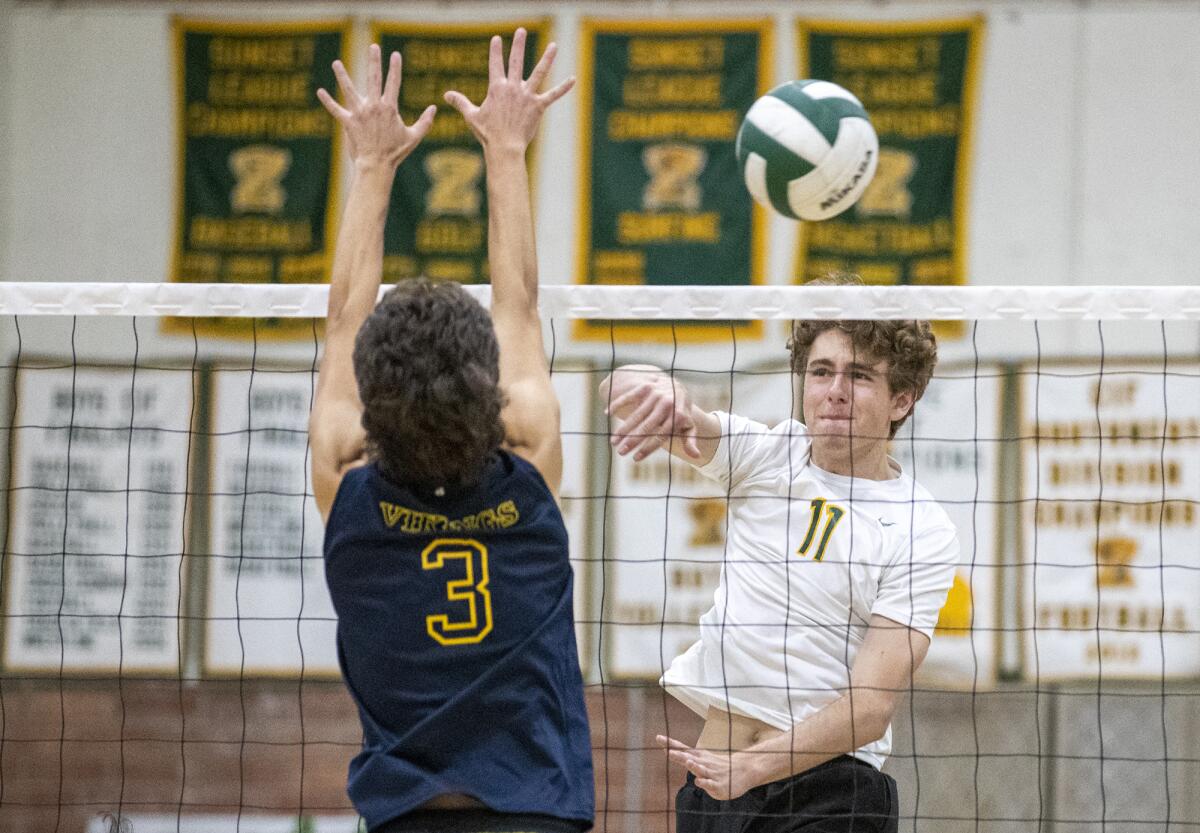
column 437, row 223
column 917, row 80
column 661, row 198
column 258, row 158
column 1110, row 470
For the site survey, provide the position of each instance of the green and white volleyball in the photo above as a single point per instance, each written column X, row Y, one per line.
column 807, row 150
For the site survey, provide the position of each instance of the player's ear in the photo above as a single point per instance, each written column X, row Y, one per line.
column 902, row 404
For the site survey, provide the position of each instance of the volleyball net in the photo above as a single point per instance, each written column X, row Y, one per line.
column 168, row 657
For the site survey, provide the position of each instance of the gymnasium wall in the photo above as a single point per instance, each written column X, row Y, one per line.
column 1084, row 172
column 1081, row 172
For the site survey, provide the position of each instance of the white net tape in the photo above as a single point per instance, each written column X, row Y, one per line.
column 972, row 303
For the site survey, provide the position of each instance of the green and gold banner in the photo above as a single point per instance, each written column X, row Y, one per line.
column 661, row 199
column 437, row 223
column 258, row 157
column 917, row 80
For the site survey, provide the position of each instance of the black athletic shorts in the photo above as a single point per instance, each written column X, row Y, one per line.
column 844, row 795
column 478, row 821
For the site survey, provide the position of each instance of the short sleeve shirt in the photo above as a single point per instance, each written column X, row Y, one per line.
column 810, row 557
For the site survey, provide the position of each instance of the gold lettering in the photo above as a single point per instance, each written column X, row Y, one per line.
column 674, row 170
column 238, row 123
column 676, row 53
column 250, row 234
column 878, row 274
column 1113, row 557
column 917, row 122
column 450, row 269
column 430, row 55
column 879, row 238
column 655, row 89
column 200, row 266
column 266, row 53
column 1088, row 515
column 397, row 267
column 449, row 234
column 410, row 520
column 619, row 266
column 419, row 91
column 454, row 175
column 247, row 269
column 303, row 268
column 698, row 125
column 708, row 517
column 889, row 194
column 891, row 90
column 259, row 171
column 1120, row 431
column 876, row 54
column 259, row 88
column 635, row 227
column 931, row 270
column 391, row 513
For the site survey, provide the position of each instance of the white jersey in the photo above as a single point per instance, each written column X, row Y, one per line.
column 810, row 557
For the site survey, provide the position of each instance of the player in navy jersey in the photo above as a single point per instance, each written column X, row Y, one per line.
column 436, row 465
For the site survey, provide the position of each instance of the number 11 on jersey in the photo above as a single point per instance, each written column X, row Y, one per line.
column 831, row 513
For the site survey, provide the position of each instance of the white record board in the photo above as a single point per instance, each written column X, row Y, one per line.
column 952, row 446
column 269, row 611
column 666, row 535
column 95, row 552
column 1110, row 520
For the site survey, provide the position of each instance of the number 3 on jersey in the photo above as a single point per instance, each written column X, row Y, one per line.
column 831, row 514
column 472, row 589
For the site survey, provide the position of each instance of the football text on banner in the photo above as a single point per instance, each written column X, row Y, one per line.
column 917, row 80
column 437, row 223
column 661, row 200
column 258, row 154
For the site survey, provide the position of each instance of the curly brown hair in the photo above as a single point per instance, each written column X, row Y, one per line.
column 428, row 369
column 908, row 346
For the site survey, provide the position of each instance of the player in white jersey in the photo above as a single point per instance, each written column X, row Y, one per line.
column 837, row 564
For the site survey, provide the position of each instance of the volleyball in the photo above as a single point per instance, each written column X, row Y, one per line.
column 807, row 150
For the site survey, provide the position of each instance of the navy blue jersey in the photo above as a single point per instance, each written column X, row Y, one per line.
column 456, row 639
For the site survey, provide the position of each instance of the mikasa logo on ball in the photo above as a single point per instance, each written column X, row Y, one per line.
column 837, row 196
column 807, row 150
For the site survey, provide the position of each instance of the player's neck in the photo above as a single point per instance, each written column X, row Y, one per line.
column 869, row 463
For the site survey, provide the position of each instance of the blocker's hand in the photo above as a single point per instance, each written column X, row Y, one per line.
column 509, row 115
column 723, row 775
column 652, row 409
column 375, row 133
